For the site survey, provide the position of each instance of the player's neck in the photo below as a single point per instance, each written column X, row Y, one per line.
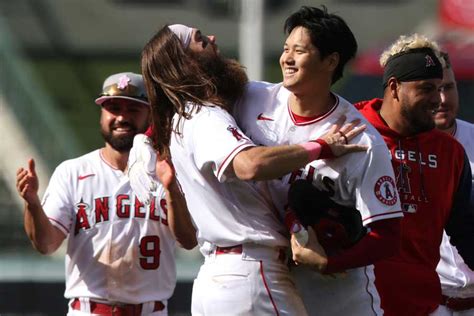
column 114, row 158
column 451, row 130
column 311, row 105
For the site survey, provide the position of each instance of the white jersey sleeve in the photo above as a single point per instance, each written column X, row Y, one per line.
column 373, row 186
column 218, row 138
column 57, row 199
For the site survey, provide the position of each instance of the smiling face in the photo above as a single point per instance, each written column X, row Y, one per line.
column 302, row 67
column 418, row 100
column 121, row 120
column 449, row 107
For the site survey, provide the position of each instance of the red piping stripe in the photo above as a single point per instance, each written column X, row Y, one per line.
column 59, row 223
column 316, row 119
column 378, row 215
column 230, row 155
column 105, row 161
column 268, row 290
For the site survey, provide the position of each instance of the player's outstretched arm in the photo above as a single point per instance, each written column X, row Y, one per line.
column 43, row 235
column 265, row 163
column 179, row 219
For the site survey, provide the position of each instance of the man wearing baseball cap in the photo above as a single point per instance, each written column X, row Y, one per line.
column 120, row 250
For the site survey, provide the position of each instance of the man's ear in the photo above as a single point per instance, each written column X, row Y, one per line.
column 333, row 61
column 393, row 85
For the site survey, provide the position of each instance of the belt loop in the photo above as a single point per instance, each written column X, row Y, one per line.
column 85, row 304
column 148, row 308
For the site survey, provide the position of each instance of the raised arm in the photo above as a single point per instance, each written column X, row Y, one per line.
column 179, row 218
column 44, row 236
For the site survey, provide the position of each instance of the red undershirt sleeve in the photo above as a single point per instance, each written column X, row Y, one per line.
column 381, row 242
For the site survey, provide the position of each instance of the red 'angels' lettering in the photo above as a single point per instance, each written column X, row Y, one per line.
column 101, row 209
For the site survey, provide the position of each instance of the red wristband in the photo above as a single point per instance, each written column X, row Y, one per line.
column 326, row 152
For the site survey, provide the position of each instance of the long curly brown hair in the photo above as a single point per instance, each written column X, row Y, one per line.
column 173, row 79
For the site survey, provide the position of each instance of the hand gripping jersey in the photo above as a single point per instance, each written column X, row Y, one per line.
column 457, row 279
column 118, row 249
column 434, row 183
column 363, row 180
column 228, row 212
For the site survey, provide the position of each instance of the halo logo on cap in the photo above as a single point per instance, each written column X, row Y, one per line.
column 123, row 82
column 429, row 61
column 125, row 85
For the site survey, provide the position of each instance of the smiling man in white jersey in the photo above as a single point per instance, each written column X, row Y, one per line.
column 302, row 107
column 457, row 279
column 192, row 91
column 120, row 251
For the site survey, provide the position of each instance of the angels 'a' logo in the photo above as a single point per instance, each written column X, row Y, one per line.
column 429, row 61
column 385, row 190
column 403, row 179
column 82, row 222
column 235, row 132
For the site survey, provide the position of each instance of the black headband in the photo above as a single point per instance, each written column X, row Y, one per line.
column 412, row 65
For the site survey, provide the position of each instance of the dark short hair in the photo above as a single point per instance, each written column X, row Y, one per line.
column 329, row 33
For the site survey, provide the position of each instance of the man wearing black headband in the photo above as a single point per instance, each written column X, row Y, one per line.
column 433, row 177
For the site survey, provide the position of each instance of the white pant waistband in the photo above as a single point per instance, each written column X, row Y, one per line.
column 248, row 251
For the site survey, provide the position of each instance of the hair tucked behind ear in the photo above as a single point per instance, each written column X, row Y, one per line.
column 172, row 79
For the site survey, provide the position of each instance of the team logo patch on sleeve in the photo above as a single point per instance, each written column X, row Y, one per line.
column 235, row 132
column 385, row 190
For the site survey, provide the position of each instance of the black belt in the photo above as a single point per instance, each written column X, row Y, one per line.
column 457, row 303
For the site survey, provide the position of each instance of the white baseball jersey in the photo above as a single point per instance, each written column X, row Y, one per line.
column 364, row 180
column 457, row 280
column 228, row 212
column 118, row 250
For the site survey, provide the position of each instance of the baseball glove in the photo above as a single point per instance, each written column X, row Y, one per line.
column 141, row 168
column 336, row 226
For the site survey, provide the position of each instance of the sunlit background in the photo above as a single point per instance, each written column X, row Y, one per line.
column 55, row 54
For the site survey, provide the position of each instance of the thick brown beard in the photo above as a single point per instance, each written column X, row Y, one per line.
column 228, row 75
column 121, row 143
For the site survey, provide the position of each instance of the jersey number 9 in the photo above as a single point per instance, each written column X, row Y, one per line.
column 150, row 251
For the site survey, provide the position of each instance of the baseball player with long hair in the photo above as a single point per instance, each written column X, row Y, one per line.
column 457, row 279
column 433, row 177
column 192, row 90
column 302, row 107
column 120, row 251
